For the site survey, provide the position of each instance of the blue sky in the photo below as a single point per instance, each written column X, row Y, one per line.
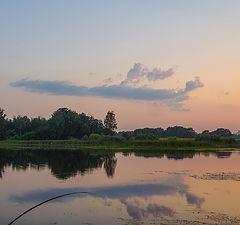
column 85, row 43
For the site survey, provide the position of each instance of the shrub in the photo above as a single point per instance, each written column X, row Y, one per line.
column 104, row 139
column 172, row 138
column 113, row 139
column 203, row 137
column 229, row 140
column 146, row 137
column 84, row 138
column 94, row 137
column 29, row 136
column 215, row 138
column 11, row 134
column 127, row 135
column 208, row 137
column 72, row 138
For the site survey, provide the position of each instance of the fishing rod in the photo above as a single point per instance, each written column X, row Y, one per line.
column 48, row 200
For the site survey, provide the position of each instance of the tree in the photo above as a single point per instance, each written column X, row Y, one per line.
column 180, row 132
column 63, row 123
column 222, row 132
column 146, row 137
column 21, row 124
column 95, row 125
column 110, row 123
column 127, row 134
column 37, row 123
column 156, row 131
column 2, row 124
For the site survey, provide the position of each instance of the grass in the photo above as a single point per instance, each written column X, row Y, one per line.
column 161, row 144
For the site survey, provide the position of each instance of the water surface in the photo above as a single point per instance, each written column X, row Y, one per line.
column 172, row 187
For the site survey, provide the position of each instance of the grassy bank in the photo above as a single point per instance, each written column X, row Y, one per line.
column 118, row 144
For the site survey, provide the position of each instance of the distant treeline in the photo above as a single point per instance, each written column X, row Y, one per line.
column 67, row 124
column 176, row 131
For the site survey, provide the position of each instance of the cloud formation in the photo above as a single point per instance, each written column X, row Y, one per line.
column 193, row 84
column 138, row 72
column 173, row 98
column 108, row 80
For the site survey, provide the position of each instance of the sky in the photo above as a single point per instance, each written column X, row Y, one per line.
column 155, row 63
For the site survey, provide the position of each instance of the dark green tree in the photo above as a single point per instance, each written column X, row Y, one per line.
column 95, row 126
column 180, row 132
column 222, row 132
column 127, row 134
column 63, row 123
column 38, row 122
column 110, row 123
column 156, row 131
column 21, row 124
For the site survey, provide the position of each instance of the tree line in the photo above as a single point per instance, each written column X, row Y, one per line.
column 177, row 132
column 63, row 124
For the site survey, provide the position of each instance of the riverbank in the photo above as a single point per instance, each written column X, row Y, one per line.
column 161, row 144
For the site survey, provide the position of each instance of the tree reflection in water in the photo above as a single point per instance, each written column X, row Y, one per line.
column 62, row 163
column 65, row 163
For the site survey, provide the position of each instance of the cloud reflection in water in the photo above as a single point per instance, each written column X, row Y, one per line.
column 135, row 197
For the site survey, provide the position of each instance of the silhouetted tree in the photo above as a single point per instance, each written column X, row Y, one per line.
column 36, row 123
column 110, row 123
column 66, row 123
column 3, row 124
column 222, row 132
column 205, row 132
column 180, row 132
column 63, row 123
column 21, row 124
column 127, row 134
column 176, row 131
column 155, row 131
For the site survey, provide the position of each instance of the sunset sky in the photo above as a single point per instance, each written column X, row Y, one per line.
column 155, row 63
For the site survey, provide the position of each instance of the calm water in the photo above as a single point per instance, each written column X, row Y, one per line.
column 129, row 188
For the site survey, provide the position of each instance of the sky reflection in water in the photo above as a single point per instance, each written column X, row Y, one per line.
column 139, row 186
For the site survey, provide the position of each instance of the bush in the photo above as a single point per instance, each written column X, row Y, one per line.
column 208, row 137
column 229, row 140
column 146, row 137
column 104, row 139
column 203, row 137
column 29, row 136
column 127, row 135
column 215, row 138
column 15, row 137
column 113, row 139
column 94, row 138
column 11, row 134
column 73, row 138
column 172, row 138
column 85, row 138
